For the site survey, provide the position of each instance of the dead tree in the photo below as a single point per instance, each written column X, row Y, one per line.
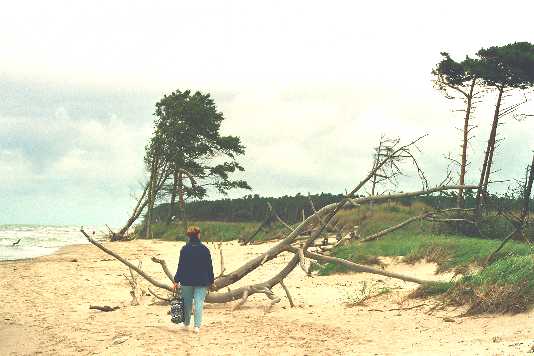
column 270, row 217
column 289, row 244
column 520, row 222
column 143, row 201
column 390, row 171
column 151, row 196
column 488, row 157
column 456, row 80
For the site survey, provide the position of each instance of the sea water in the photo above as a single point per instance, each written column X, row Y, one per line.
column 39, row 240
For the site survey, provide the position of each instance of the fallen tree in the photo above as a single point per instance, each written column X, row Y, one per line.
column 285, row 245
column 290, row 243
column 142, row 202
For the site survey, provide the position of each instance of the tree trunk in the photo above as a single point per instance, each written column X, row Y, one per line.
column 141, row 204
column 151, row 197
column 486, row 167
column 460, row 203
column 520, row 226
column 527, row 192
column 173, row 197
column 181, row 200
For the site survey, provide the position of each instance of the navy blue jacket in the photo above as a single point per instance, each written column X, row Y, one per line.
column 194, row 266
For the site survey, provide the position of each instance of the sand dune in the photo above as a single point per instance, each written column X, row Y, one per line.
column 45, row 310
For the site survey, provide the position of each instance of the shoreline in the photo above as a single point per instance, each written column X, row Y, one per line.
column 46, row 308
column 24, row 241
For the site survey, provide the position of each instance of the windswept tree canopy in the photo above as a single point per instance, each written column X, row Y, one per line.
column 187, row 136
column 453, row 74
column 509, row 66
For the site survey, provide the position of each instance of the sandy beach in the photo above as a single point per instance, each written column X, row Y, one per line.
column 45, row 310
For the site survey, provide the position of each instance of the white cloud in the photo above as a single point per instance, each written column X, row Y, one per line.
column 308, row 86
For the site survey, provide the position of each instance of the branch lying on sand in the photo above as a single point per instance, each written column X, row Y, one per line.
column 123, row 260
column 105, row 308
column 273, row 252
column 357, row 267
column 271, row 213
column 261, row 226
column 428, row 216
column 158, row 296
column 287, row 294
column 164, row 267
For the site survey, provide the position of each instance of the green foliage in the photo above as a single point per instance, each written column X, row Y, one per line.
column 289, row 208
column 507, row 285
column 449, row 252
column 509, row 66
column 213, row 231
column 431, row 289
column 251, row 208
column 187, row 136
column 453, row 74
column 512, row 270
column 371, row 219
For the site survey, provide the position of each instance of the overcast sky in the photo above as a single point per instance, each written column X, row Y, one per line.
column 309, row 86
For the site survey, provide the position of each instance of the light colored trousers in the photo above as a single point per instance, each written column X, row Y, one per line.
column 198, row 294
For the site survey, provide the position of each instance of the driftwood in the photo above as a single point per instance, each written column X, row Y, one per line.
column 124, row 261
column 261, row 226
column 132, row 280
column 164, row 267
column 105, row 308
column 394, row 228
column 357, row 267
column 223, row 269
column 324, row 217
column 242, row 301
column 284, row 245
column 271, row 213
column 428, row 216
column 288, row 295
column 158, row 296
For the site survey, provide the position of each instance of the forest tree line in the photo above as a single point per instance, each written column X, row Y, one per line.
column 291, row 208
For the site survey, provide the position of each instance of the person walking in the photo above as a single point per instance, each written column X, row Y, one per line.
column 194, row 275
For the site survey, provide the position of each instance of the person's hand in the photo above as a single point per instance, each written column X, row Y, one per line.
column 211, row 287
column 175, row 285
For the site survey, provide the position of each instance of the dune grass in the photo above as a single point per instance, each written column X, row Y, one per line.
column 215, row 231
column 449, row 252
column 506, row 285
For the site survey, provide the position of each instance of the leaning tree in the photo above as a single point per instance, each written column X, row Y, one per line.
column 188, row 128
column 506, row 69
column 186, row 144
column 459, row 79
